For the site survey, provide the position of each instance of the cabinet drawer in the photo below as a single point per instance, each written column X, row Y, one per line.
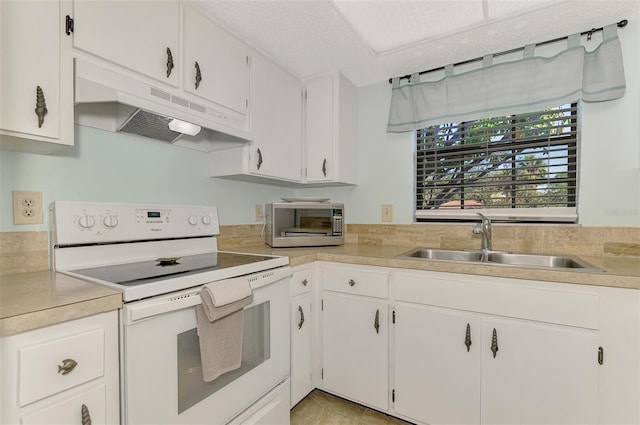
column 41, row 372
column 357, row 282
column 301, row 281
column 70, row 411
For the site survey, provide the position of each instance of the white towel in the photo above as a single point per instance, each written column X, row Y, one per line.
column 229, row 290
column 221, row 328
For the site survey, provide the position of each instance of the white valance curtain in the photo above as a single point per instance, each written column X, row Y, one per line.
column 529, row 84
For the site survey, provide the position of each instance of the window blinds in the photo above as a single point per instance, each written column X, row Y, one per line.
column 525, row 161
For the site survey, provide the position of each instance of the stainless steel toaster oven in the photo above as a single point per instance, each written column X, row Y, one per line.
column 290, row 224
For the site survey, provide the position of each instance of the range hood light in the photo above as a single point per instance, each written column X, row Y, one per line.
column 184, row 127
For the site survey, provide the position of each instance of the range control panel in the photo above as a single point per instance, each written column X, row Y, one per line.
column 97, row 222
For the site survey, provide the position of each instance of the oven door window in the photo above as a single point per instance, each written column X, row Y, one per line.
column 256, row 349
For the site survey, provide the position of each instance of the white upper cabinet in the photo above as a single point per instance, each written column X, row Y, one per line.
column 215, row 63
column 36, row 77
column 275, row 154
column 143, row 36
column 330, row 132
column 276, row 120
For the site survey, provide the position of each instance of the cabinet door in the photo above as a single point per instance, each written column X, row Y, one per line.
column 221, row 62
column 30, row 58
column 301, row 340
column 131, row 34
column 276, row 121
column 542, row 374
column 437, row 379
column 355, row 353
column 321, row 128
column 88, row 405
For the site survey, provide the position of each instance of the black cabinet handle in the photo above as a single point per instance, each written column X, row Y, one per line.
column 494, row 343
column 301, row 317
column 259, row 159
column 352, row 282
column 41, row 106
column 324, row 167
column 305, row 282
column 68, row 27
column 198, row 75
column 467, row 337
column 376, row 321
column 169, row 62
column 86, row 416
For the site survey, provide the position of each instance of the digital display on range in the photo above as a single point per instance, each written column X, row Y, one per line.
column 153, row 214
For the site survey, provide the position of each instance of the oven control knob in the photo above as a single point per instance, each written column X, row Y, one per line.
column 110, row 221
column 206, row 220
column 86, row 221
column 193, row 220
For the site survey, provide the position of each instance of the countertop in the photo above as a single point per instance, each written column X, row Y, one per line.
column 33, row 300
column 619, row 272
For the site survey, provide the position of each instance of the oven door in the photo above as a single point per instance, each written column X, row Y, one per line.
column 162, row 374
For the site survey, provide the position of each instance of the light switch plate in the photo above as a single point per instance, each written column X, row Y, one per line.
column 387, row 213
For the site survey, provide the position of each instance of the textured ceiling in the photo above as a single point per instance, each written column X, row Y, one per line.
column 372, row 40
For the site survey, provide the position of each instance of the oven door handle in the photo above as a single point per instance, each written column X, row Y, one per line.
column 164, row 305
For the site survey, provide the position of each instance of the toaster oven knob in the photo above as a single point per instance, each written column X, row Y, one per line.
column 193, row 220
column 110, row 221
column 86, row 221
column 206, row 220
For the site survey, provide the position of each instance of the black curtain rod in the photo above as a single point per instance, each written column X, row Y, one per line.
column 623, row 23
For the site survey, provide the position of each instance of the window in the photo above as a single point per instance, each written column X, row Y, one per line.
column 516, row 168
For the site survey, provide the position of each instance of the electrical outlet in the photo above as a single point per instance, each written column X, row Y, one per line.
column 259, row 212
column 27, row 207
column 387, row 212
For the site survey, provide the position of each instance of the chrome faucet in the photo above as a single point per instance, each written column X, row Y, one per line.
column 484, row 228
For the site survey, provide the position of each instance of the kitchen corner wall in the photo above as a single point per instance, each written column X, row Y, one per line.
column 116, row 167
column 609, row 144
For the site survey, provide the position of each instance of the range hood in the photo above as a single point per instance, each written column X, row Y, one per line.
column 110, row 100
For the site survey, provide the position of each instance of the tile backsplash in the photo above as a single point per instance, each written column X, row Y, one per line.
column 28, row 251
column 23, row 252
column 538, row 239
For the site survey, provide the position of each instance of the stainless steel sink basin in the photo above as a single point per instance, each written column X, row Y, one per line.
column 500, row 258
column 535, row 260
column 442, row 254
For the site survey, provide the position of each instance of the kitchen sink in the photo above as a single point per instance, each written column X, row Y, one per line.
column 442, row 254
column 500, row 258
column 535, row 260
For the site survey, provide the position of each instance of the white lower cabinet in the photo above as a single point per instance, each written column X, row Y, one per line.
column 437, row 378
column 302, row 324
column 446, row 372
column 541, row 374
column 449, row 348
column 62, row 374
column 355, row 348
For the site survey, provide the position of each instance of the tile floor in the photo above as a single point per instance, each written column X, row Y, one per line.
column 320, row 408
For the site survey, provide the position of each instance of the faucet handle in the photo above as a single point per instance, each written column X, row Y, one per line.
column 477, row 229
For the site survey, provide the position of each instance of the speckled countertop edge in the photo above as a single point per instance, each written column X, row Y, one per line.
column 619, row 272
column 37, row 299
column 32, row 300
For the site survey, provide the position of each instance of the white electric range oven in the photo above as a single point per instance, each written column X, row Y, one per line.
column 158, row 257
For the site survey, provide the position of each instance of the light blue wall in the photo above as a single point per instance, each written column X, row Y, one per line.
column 109, row 167
column 609, row 179
column 121, row 168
